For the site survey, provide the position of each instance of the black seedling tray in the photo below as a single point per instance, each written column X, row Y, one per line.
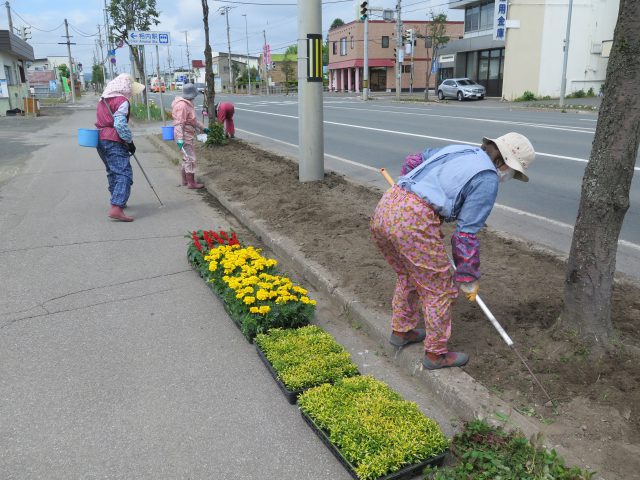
column 404, row 474
column 291, row 395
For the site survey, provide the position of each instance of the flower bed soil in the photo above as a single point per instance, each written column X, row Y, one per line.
column 599, row 402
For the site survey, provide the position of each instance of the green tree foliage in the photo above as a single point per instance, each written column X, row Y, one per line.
column 129, row 15
column 437, row 35
column 336, row 23
column 97, row 76
column 64, row 70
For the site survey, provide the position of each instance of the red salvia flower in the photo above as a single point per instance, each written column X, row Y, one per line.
column 216, row 237
column 224, row 235
column 234, row 239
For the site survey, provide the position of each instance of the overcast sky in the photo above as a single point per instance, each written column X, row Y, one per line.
column 279, row 22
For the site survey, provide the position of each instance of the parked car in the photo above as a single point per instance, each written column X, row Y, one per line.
column 179, row 85
column 200, row 87
column 460, row 88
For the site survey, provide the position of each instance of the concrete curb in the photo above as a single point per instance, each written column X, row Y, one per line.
column 462, row 393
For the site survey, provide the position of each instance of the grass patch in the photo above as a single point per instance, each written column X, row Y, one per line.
column 139, row 111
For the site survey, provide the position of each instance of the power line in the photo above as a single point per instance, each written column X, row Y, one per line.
column 29, row 24
column 81, row 33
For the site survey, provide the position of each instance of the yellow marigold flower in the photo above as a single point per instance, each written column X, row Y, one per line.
column 254, row 310
column 304, row 300
column 271, row 262
column 312, row 302
column 262, row 294
column 239, row 295
column 213, row 266
column 264, row 309
column 249, row 300
column 299, row 290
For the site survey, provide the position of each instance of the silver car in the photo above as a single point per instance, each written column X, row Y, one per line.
column 460, row 88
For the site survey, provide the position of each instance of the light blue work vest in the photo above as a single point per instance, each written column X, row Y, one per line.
column 440, row 178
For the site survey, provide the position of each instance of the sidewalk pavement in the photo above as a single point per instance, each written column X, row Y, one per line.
column 115, row 359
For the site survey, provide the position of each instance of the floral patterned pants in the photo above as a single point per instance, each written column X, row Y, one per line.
column 407, row 231
column 188, row 158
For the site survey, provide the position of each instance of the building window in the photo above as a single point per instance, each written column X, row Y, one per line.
column 385, row 42
column 8, row 76
column 486, row 15
column 353, row 43
column 343, row 46
column 335, row 50
column 406, row 68
column 479, row 17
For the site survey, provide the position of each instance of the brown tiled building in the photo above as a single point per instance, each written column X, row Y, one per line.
column 346, row 56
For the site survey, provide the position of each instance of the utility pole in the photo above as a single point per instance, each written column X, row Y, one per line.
column 9, row 16
column 108, row 38
column 563, row 85
column 398, row 48
column 310, row 113
column 188, row 58
column 160, row 82
column 104, row 69
column 226, row 13
column 365, row 64
column 246, row 32
column 264, row 61
column 144, row 76
column 68, row 44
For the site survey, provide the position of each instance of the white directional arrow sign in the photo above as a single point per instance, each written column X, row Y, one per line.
column 149, row 38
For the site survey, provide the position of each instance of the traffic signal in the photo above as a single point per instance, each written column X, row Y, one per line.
column 364, row 10
column 25, row 32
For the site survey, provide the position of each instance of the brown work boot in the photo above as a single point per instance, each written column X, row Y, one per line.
column 400, row 339
column 434, row 361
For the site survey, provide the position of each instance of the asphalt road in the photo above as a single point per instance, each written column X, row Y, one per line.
column 362, row 137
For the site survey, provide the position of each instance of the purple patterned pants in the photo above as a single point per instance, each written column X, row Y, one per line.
column 407, row 232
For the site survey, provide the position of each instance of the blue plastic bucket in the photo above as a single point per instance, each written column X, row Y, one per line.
column 167, row 133
column 87, row 137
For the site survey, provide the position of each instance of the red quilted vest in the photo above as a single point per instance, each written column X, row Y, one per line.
column 104, row 120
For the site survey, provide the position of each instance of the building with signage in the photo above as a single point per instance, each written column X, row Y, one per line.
column 346, row 56
column 14, row 55
column 513, row 47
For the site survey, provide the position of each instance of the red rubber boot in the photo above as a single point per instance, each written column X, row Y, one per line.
column 191, row 182
column 116, row 213
column 184, row 178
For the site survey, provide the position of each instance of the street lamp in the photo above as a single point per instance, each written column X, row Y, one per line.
column 246, row 32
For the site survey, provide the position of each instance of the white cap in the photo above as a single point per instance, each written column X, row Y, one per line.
column 517, row 152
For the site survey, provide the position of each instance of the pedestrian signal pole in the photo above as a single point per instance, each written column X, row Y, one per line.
column 68, row 43
column 310, row 75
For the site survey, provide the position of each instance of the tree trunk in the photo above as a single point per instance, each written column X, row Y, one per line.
column 137, row 58
column 208, row 65
column 604, row 199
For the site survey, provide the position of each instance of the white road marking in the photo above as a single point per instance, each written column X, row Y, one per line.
column 419, row 135
column 483, row 120
column 499, row 206
column 344, row 160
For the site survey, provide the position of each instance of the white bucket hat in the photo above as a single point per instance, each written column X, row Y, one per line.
column 517, row 152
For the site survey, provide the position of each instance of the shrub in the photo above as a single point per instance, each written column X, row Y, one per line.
column 372, row 426
column 578, row 94
column 527, row 96
column 590, row 92
column 216, row 134
column 484, row 452
column 306, row 357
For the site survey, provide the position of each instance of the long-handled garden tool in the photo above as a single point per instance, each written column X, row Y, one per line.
column 148, row 181
column 488, row 314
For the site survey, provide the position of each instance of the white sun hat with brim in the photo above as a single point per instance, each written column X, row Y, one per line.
column 136, row 88
column 517, row 152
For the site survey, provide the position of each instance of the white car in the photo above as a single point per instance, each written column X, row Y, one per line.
column 460, row 88
column 179, row 85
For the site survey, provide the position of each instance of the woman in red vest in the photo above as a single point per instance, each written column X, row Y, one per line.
column 115, row 143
